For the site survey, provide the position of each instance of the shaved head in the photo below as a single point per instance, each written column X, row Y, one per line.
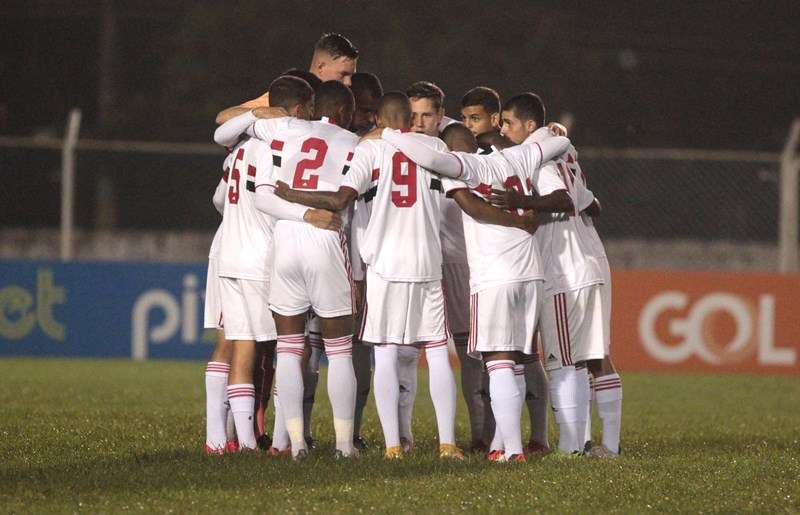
column 494, row 139
column 394, row 111
column 457, row 137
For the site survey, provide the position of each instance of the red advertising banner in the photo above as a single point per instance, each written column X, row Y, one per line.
column 706, row 322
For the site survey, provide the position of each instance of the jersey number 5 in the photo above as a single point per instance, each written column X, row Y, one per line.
column 233, row 180
column 301, row 181
column 407, row 179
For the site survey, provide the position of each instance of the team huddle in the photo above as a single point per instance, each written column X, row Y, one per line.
column 370, row 227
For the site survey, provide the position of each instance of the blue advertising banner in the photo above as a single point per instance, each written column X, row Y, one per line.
column 138, row 310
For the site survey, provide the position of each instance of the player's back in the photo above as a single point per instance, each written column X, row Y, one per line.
column 583, row 197
column 401, row 240
column 246, row 232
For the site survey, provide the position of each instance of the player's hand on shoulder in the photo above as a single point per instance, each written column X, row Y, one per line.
column 323, row 219
column 506, row 199
column 270, row 112
column 529, row 221
column 375, row 133
column 556, row 129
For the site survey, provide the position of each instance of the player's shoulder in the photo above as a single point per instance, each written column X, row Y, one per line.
column 334, row 132
column 430, row 141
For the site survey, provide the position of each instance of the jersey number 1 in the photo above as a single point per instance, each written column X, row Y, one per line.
column 301, row 181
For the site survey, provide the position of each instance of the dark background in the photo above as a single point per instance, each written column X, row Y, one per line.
column 719, row 75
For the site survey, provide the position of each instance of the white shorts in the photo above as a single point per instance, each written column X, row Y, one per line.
column 605, row 300
column 403, row 313
column 572, row 327
column 212, row 311
column 503, row 318
column 455, row 284
column 311, row 270
column 245, row 310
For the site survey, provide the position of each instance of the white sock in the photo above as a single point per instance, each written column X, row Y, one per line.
column 588, row 434
column 289, row 382
column 519, row 378
column 608, row 393
column 443, row 390
column 407, row 366
column 216, row 408
column 497, row 440
column 342, row 389
column 564, row 393
column 242, row 398
column 536, row 398
column 506, row 403
column 310, row 381
column 584, row 403
column 280, row 438
column 387, row 392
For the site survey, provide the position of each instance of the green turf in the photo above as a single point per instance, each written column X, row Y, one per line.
column 110, row 436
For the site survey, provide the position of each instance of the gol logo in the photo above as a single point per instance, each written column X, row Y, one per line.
column 705, row 330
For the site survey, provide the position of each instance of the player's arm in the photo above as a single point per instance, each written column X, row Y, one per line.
column 484, row 212
column 231, row 112
column 228, row 133
column 268, row 202
column 330, row 200
column 219, row 194
column 443, row 163
column 558, row 201
column 594, row 208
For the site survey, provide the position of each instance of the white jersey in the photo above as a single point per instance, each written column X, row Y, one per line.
column 245, row 247
column 401, row 241
column 213, row 252
column 583, row 197
column 454, row 249
column 567, row 249
column 497, row 254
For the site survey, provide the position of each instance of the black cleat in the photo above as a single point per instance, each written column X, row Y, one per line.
column 264, row 442
column 359, row 443
column 310, row 443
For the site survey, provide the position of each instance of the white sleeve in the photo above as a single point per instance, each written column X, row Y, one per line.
column 359, row 176
column 542, row 151
column 229, row 132
column 268, row 202
column 219, row 195
column 582, row 196
column 443, row 163
column 549, row 180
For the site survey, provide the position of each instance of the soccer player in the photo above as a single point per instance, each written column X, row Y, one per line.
column 220, row 433
column 367, row 91
column 404, row 300
column 427, row 107
column 606, row 385
column 571, row 325
column 334, row 58
column 480, row 110
column 312, row 156
column 504, row 268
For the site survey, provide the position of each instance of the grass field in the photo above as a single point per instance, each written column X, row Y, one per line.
column 110, row 436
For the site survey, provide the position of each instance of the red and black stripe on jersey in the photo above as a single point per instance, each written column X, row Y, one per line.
column 277, row 148
column 346, row 167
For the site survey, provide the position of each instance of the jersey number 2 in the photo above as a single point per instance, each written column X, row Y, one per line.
column 407, row 179
column 320, row 148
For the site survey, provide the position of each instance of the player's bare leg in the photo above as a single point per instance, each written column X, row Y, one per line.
column 241, row 391
column 407, row 368
column 218, row 439
column 506, row 396
column 289, row 376
column 362, row 365
column 337, row 334
column 264, row 373
column 311, row 360
column 443, row 394
column 387, row 396
column 472, row 371
column 536, row 397
column 607, row 389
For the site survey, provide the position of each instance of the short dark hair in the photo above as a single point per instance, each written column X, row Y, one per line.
column 287, row 91
column 330, row 97
column 393, row 105
column 490, row 139
column 306, row 75
column 336, row 45
column 456, row 134
column 527, row 106
column 484, row 97
column 365, row 82
column 427, row 89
